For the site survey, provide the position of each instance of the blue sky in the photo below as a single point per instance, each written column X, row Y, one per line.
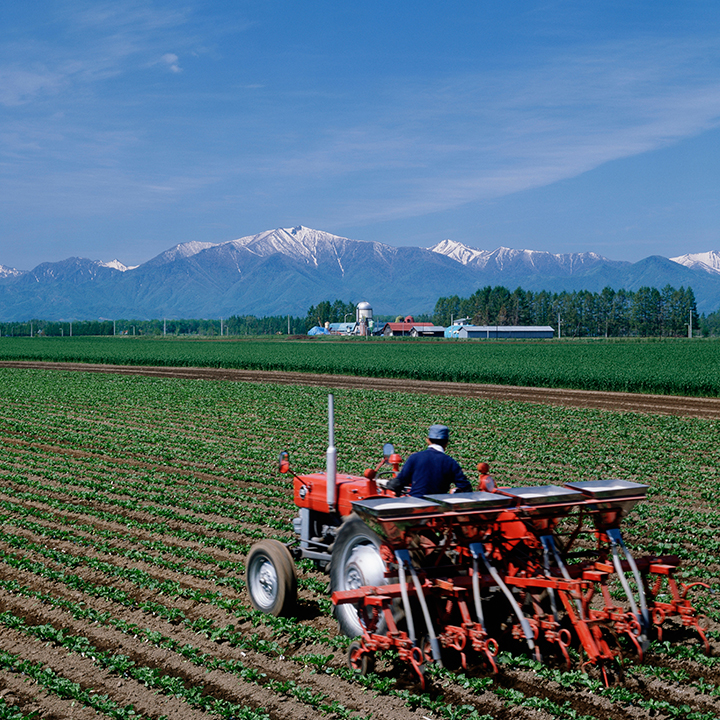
column 127, row 127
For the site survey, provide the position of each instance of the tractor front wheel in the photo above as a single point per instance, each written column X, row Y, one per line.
column 270, row 577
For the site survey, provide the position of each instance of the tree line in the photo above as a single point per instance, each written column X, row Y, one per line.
column 335, row 312
column 647, row 312
column 234, row 325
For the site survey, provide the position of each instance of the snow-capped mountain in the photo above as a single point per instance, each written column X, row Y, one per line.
column 75, row 270
column 299, row 243
column 117, row 265
column 180, row 251
column 503, row 258
column 707, row 261
column 312, row 247
column 8, row 272
column 288, row 269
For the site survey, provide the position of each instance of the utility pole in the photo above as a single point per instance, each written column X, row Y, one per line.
column 690, row 325
column 113, row 328
column 164, row 327
column 288, row 324
column 558, row 326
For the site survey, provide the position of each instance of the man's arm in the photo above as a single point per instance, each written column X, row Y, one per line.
column 461, row 482
column 403, row 478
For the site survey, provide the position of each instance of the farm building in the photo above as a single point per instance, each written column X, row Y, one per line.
column 492, row 332
column 420, row 330
column 452, row 331
column 343, row 328
column 396, row 329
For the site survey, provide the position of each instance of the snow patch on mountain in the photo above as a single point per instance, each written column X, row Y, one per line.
column 302, row 244
column 180, row 251
column 459, row 252
column 117, row 265
column 7, row 272
column 502, row 257
column 707, row 261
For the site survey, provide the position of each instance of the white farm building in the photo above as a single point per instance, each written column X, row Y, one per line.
column 498, row 332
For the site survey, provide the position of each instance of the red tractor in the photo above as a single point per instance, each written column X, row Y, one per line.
column 329, row 533
column 448, row 578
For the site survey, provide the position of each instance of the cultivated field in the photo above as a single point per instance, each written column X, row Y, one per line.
column 128, row 504
column 669, row 366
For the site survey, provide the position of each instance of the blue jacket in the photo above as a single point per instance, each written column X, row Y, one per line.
column 430, row 472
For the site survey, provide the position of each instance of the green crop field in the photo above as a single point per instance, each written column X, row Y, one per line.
column 127, row 505
column 670, row 366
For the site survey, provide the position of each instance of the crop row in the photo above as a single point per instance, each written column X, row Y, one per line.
column 123, row 666
column 668, row 366
column 169, row 514
column 567, row 679
column 522, row 441
column 195, row 695
column 160, row 504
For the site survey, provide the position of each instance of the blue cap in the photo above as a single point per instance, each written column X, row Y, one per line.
column 438, row 432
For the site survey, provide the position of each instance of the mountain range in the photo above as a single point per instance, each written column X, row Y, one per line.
column 284, row 271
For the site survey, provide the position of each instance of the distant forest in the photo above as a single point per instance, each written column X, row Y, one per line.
column 647, row 312
column 235, row 325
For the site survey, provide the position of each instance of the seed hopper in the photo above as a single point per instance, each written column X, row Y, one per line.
column 452, row 578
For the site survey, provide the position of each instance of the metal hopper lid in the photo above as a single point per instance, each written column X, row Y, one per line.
column 545, row 495
column 471, row 500
column 395, row 507
column 609, row 489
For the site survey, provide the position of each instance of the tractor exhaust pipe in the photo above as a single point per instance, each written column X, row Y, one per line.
column 331, row 456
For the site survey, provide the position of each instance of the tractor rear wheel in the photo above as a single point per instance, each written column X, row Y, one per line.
column 355, row 562
column 270, row 577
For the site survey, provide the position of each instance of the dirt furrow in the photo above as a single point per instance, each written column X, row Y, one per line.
column 131, row 533
column 529, row 684
column 155, row 534
column 307, row 611
column 154, row 572
column 128, row 543
column 174, row 523
column 116, row 496
column 31, row 698
column 108, row 639
column 123, row 691
column 677, row 694
column 130, row 463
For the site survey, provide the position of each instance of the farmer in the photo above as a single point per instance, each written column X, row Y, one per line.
column 431, row 471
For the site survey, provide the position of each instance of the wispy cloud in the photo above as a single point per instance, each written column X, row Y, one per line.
column 486, row 135
column 89, row 43
column 171, row 60
column 20, row 85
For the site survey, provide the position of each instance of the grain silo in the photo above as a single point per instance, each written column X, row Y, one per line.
column 363, row 317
